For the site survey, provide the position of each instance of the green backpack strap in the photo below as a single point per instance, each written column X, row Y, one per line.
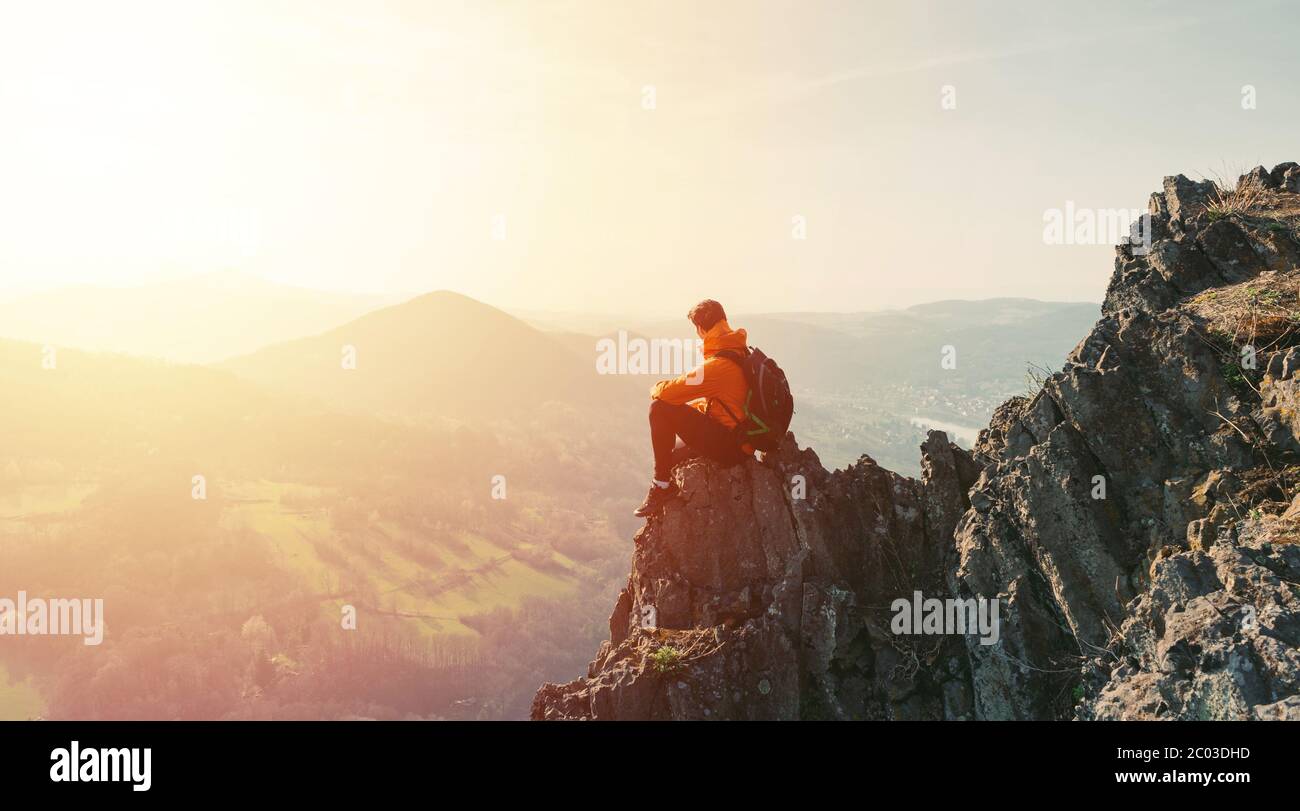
column 749, row 395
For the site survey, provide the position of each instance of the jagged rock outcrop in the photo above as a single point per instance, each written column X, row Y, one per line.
column 763, row 592
column 1216, row 635
column 1130, row 461
column 1132, row 519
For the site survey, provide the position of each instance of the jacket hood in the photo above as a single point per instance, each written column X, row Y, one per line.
column 721, row 336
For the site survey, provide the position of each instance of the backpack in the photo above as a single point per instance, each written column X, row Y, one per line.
column 768, row 403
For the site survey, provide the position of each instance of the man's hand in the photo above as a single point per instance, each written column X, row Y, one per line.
column 687, row 388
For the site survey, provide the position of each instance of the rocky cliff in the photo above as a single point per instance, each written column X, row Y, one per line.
column 1133, row 520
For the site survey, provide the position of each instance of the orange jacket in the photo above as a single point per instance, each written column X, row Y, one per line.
column 716, row 379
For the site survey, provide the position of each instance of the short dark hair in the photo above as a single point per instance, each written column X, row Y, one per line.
column 707, row 313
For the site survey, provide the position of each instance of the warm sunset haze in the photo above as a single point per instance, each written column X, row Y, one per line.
column 301, row 306
column 369, row 147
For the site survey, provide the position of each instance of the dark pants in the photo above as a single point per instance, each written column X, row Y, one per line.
column 702, row 435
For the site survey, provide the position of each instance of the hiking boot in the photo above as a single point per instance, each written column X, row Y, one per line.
column 656, row 499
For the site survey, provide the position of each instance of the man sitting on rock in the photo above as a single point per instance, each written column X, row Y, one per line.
column 695, row 413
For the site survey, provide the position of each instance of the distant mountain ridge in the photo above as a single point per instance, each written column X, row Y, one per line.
column 442, row 354
column 196, row 319
column 866, row 381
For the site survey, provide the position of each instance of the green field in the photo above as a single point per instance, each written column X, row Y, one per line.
column 457, row 575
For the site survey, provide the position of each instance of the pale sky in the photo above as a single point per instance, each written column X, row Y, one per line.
column 369, row 146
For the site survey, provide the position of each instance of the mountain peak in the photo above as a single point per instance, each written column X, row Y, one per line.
column 440, row 353
column 1135, row 522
